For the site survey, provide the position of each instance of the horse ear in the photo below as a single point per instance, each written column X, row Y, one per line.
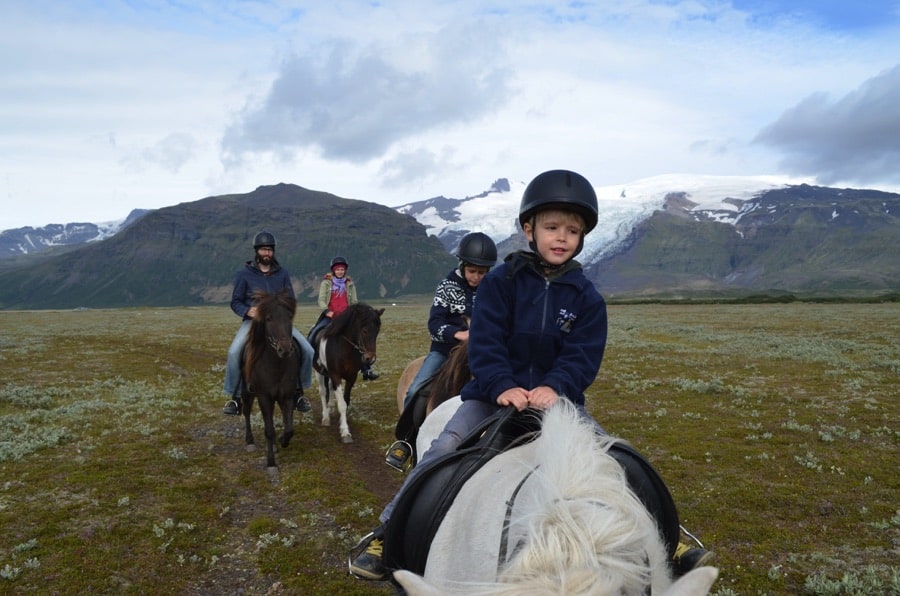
column 698, row 581
column 415, row 585
column 380, row 312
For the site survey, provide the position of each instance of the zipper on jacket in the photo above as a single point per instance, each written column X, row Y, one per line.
column 543, row 325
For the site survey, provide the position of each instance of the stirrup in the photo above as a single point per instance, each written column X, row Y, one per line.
column 399, row 456
column 361, row 548
column 301, row 403
column 237, row 408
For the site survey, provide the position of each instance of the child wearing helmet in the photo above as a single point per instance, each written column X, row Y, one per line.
column 448, row 322
column 520, row 354
column 336, row 292
column 538, row 332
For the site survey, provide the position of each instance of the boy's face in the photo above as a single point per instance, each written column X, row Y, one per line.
column 556, row 235
column 474, row 274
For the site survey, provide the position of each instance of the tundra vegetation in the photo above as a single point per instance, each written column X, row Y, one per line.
column 775, row 426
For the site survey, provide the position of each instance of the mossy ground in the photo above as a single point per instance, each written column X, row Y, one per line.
column 774, row 425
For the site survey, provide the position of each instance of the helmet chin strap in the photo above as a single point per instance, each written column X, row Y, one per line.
column 533, row 246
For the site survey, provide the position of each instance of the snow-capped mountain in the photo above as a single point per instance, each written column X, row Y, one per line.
column 621, row 207
column 663, row 237
column 29, row 240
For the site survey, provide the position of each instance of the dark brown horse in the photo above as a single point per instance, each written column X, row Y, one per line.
column 341, row 348
column 271, row 367
column 447, row 382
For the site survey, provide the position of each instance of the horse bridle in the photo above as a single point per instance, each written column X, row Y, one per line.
column 504, row 535
column 273, row 342
column 358, row 345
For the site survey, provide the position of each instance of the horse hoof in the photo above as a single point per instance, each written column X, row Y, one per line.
column 250, row 447
column 346, row 439
column 273, row 474
column 326, row 422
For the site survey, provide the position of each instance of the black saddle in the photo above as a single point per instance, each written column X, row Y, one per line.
column 315, row 331
column 424, row 503
column 649, row 487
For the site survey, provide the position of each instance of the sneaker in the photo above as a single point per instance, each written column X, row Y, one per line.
column 301, row 404
column 398, row 456
column 232, row 408
column 689, row 557
column 370, row 375
column 368, row 564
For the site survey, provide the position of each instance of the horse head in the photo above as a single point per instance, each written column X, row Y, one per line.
column 553, row 516
column 274, row 321
column 699, row 581
column 359, row 325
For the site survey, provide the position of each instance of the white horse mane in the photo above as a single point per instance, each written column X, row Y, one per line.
column 587, row 531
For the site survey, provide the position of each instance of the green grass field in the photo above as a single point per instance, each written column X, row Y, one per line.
column 775, row 426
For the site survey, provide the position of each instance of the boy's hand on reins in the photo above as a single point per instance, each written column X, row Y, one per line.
column 516, row 397
column 542, row 397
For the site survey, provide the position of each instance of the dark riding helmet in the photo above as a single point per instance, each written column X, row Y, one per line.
column 560, row 189
column 264, row 239
column 477, row 249
column 339, row 261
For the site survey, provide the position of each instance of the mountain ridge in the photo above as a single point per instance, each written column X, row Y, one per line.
column 668, row 236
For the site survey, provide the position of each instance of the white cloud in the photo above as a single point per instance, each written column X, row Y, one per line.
column 113, row 105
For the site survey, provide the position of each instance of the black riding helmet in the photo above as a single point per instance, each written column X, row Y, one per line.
column 477, row 249
column 340, row 261
column 560, row 189
column 264, row 239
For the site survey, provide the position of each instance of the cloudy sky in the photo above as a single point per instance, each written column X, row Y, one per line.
column 110, row 105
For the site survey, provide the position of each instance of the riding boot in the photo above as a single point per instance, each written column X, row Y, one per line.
column 365, row 558
column 367, row 373
column 688, row 558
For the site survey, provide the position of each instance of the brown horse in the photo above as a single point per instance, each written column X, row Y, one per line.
column 341, row 348
column 271, row 367
column 446, row 383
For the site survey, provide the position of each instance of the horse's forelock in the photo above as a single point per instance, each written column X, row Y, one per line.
column 266, row 303
column 585, row 518
column 287, row 301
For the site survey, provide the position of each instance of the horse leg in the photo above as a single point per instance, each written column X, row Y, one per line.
column 323, row 382
column 246, row 406
column 267, row 408
column 287, row 416
column 342, row 399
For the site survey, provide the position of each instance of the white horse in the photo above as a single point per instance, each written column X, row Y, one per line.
column 554, row 516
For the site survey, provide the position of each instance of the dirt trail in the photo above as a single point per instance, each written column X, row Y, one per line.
column 237, row 572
